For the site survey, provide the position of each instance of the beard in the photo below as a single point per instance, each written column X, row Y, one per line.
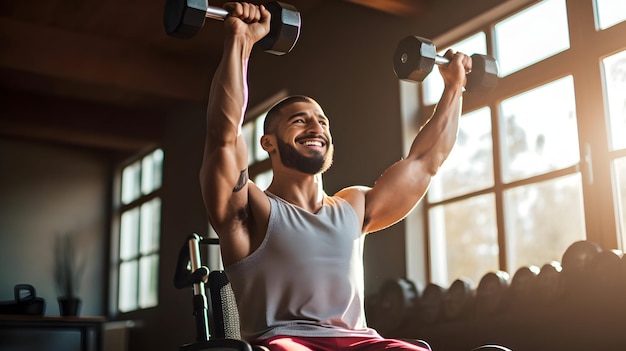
column 318, row 163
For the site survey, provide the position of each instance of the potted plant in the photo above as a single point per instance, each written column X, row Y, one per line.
column 67, row 271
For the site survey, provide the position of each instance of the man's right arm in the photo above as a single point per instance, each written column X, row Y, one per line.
column 223, row 175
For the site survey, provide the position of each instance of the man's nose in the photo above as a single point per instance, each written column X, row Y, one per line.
column 315, row 127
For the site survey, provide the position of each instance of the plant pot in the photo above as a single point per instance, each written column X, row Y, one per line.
column 69, row 306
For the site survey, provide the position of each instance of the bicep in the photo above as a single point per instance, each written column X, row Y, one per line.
column 395, row 194
column 224, row 181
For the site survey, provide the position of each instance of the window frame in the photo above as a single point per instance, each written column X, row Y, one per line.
column 118, row 209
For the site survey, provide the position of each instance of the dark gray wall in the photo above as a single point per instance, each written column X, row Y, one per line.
column 48, row 190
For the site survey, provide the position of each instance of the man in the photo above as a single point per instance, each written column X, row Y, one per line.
column 292, row 253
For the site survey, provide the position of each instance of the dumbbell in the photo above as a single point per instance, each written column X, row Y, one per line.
column 458, row 300
column 184, row 18
column 549, row 284
column 491, row 293
column 415, row 58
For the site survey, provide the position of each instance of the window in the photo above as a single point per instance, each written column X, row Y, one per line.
column 138, row 233
column 471, row 158
column 531, row 36
column 615, row 85
column 540, row 161
column 260, row 172
column 609, row 13
column 258, row 160
column 539, row 131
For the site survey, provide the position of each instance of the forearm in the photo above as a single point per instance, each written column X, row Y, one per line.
column 228, row 94
column 435, row 140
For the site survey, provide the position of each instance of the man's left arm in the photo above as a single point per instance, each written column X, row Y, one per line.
column 402, row 186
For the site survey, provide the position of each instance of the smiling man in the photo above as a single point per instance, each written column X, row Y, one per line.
column 317, row 141
column 293, row 253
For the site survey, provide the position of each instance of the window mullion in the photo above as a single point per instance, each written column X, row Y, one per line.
column 138, row 259
column 590, row 102
column 498, row 185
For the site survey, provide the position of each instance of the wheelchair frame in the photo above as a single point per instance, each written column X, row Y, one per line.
column 221, row 314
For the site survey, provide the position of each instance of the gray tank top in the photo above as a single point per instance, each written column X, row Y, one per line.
column 306, row 277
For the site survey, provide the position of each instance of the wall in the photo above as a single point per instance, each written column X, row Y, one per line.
column 46, row 190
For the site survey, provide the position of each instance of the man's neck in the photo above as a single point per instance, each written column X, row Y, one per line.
column 306, row 191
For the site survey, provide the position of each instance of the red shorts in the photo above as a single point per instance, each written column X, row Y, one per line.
column 291, row 343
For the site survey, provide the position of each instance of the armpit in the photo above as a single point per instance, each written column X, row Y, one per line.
column 243, row 215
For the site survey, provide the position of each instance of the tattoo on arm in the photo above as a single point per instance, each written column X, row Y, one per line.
column 243, row 180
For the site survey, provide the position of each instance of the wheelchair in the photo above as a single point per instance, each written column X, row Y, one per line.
column 219, row 314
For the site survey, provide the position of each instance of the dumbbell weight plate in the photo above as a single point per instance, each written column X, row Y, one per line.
column 550, row 283
column 578, row 256
column 414, row 58
column 491, row 293
column 397, row 300
column 484, row 74
column 606, row 271
column 430, row 304
column 184, row 18
column 457, row 300
column 522, row 287
column 284, row 28
column 576, row 263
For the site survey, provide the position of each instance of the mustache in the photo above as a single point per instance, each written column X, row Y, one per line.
column 319, row 136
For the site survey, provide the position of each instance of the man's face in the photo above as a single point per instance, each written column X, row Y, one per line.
column 317, row 162
column 303, row 139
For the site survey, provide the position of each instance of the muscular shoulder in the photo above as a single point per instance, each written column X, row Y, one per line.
column 355, row 196
column 353, row 193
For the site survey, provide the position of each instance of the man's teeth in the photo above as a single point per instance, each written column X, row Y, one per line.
column 312, row 143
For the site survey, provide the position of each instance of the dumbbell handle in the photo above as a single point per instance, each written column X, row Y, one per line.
column 444, row 61
column 213, row 12
column 441, row 60
column 217, row 13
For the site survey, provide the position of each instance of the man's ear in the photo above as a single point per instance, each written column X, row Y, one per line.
column 267, row 143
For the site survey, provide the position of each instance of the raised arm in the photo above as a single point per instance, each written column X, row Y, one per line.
column 223, row 175
column 403, row 184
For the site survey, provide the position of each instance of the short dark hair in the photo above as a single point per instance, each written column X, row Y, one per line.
column 269, row 125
